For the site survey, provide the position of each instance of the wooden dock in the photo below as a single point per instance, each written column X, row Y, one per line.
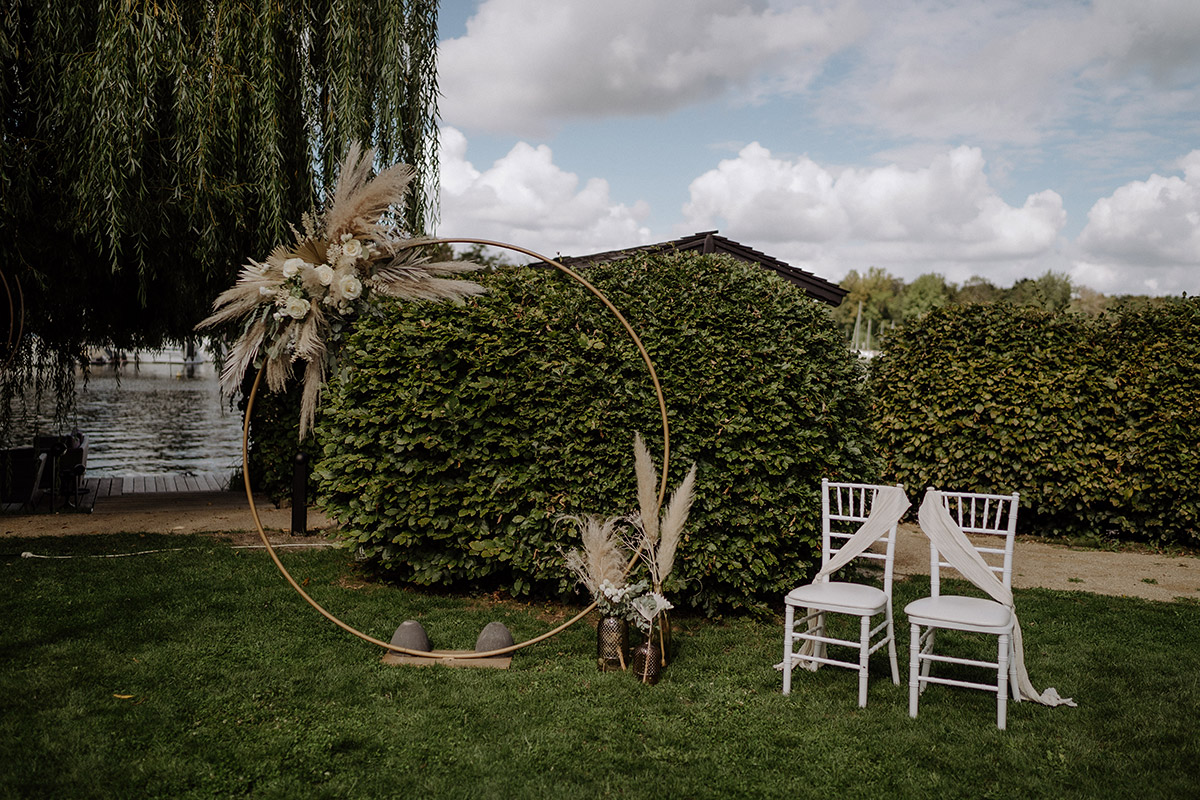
column 98, row 488
column 189, row 483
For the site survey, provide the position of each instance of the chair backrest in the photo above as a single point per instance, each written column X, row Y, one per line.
column 844, row 508
column 990, row 522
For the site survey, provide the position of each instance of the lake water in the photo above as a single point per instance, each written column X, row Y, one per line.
column 153, row 418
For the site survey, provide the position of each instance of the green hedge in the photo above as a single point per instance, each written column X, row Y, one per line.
column 1095, row 421
column 454, row 436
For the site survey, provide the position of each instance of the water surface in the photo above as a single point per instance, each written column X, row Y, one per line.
column 153, row 418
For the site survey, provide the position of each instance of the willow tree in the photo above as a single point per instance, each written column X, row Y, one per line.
column 148, row 148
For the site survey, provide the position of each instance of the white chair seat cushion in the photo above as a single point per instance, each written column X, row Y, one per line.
column 961, row 613
column 839, row 597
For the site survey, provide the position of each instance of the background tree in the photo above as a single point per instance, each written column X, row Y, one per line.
column 927, row 292
column 887, row 301
column 1050, row 292
column 870, row 302
column 489, row 257
column 148, row 149
column 978, row 289
column 1088, row 301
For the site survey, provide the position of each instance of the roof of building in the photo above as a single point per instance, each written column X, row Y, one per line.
column 707, row 242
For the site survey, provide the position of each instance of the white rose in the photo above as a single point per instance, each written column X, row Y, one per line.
column 292, row 266
column 352, row 248
column 350, row 287
column 324, row 274
column 296, row 307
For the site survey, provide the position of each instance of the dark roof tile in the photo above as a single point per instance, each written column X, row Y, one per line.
column 708, row 242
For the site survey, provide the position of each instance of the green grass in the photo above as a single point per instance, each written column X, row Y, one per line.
column 239, row 689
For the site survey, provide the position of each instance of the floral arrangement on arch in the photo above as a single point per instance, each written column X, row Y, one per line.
column 295, row 305
column 606, row 557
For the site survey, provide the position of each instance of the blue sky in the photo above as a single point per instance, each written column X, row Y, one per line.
column 996, row 138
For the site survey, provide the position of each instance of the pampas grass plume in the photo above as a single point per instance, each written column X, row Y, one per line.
column 647, row 490
column 600, row 558
column 673, row 522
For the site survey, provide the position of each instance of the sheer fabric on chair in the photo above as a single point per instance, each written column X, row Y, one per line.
column 946, row 518
column 993, row 520
column 854, row 517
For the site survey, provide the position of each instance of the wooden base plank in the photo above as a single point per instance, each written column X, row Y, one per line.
column 399, row 659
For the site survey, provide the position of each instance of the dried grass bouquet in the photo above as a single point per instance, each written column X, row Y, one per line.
column 601, row 565
column 603, row 562
column 657, row 535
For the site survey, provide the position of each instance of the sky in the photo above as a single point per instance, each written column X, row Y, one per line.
column 996, row 138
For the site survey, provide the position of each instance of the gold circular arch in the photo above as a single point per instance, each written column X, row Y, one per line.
column 662, row 489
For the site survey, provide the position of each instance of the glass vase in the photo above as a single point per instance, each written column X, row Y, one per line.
column 646, row 662
column 612, row 643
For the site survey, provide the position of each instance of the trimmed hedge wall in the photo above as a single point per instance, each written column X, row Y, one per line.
column 455, row 435
column 1096, row 422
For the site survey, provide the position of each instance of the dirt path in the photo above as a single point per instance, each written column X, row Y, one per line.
column 1037, row 564
column 164, row 512
column 1054, row 566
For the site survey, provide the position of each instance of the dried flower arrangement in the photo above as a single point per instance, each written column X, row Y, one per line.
column 601, row 565
column 296, row 305
column 604, row 561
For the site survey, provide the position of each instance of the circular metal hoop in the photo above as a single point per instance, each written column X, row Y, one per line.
column 662, row 405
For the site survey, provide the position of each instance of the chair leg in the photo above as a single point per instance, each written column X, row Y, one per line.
column 891, row 634
column 928, row 648
column 914, row 661
column 864, row 646
column 819, row 648
column 1013, row 683
column 788, row 623
column 1002, row 653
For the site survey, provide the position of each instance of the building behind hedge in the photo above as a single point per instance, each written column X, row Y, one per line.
column 710, row 243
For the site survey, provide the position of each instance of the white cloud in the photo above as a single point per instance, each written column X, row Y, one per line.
column 1159, row 37
column 527, row 200
column 525, row 66
column 944, row 217
column 1015, row 72
column 995, row 71
column 1150, row 227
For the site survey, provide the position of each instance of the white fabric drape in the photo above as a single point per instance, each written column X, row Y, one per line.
column 952, row 543
column 889, row 505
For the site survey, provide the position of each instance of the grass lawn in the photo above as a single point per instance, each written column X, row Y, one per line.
column 200, row 673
